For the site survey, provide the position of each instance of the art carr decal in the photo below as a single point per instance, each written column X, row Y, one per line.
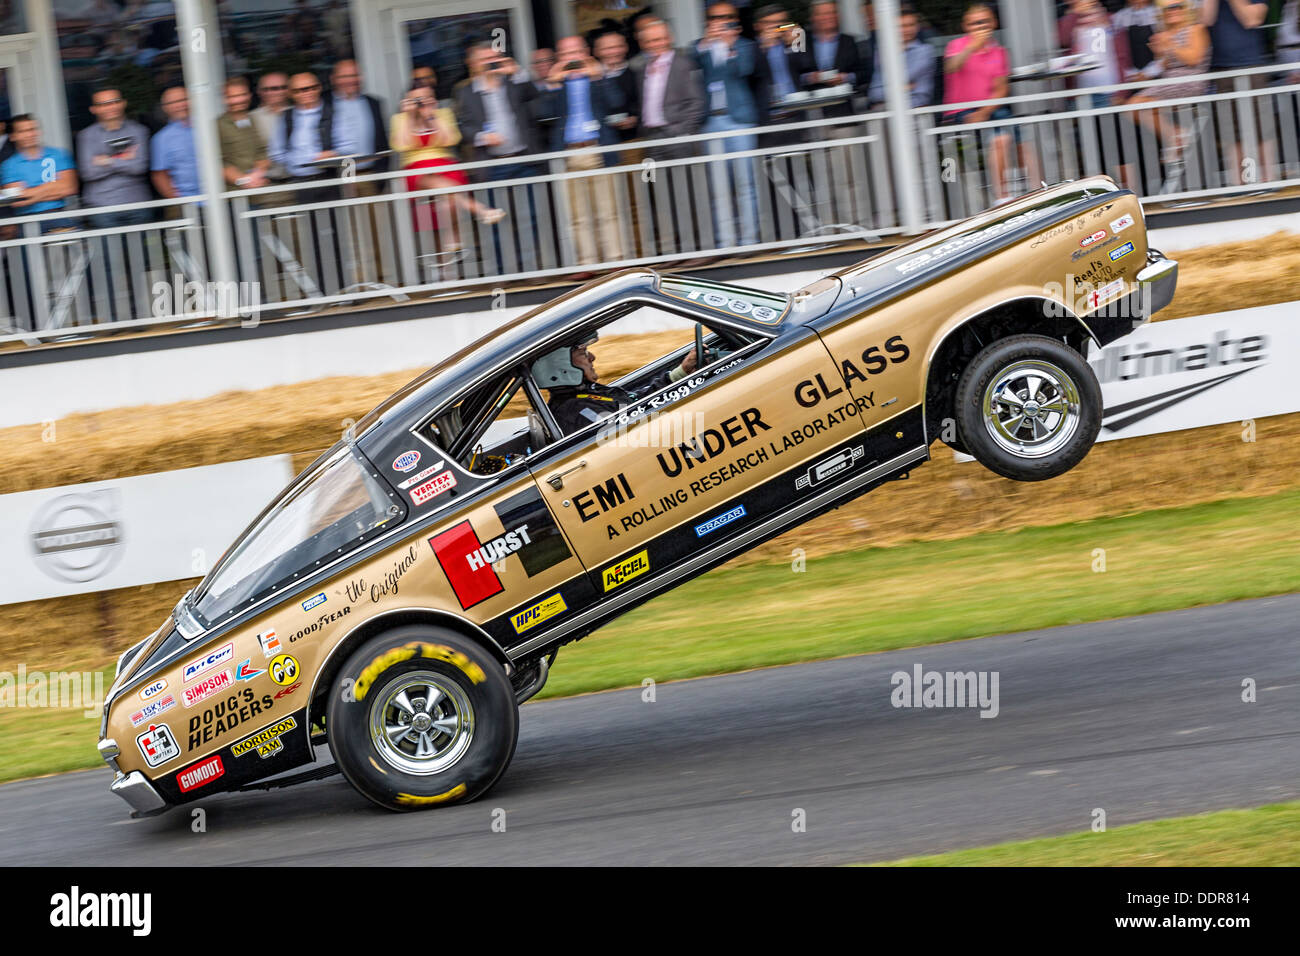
column 208, row 687
column 225, row 715
column 208, row 662
column 626, row 570
column 532, row 616
column 423, row 494
column 713, row 524
column 1121, row 252
column 154, row 689
column 839, row 462
column 151, row 710
column 437, row 652
column 266, row 741
column 284, row 669
column 158, row 745
column 200, row 774
column 406, row 461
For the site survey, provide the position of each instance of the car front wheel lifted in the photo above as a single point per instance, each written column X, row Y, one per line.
column 1029, row 407
column 420, row 717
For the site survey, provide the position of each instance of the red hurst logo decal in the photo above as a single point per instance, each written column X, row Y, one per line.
column 471, row 584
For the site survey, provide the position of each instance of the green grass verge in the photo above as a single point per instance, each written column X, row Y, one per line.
column 873, row 600
column 1263, row 836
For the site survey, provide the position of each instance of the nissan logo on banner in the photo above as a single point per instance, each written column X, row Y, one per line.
column 78, row 537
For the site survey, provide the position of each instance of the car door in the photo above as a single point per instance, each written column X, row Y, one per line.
column 653, row 494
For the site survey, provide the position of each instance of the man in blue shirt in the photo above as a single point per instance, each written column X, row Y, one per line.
column 579, row 104
column 173, row 164
column 918, row 59
column 728, row 63
column 45, row 174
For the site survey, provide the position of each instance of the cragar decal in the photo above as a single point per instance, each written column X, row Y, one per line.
column 407, row 651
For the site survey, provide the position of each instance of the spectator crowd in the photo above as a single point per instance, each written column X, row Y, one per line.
column 634, row 86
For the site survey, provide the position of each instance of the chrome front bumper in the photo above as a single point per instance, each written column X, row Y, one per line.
column 1157, row 282
column 132, row 787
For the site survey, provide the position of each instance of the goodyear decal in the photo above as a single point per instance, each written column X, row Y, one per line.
column 539, row 612
column 266, row 741
column 411, row 800
column 626, row 570
column 440, row 652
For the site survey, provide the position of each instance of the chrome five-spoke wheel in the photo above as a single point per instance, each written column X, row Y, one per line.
column 1031, row 408
column 421, row 722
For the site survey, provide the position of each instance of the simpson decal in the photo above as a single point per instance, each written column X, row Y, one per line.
column 626, row 570
column 471, row 584
column 205, row 688
column 539, row 612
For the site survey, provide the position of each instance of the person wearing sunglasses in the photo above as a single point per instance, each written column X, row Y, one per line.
column 305, row 132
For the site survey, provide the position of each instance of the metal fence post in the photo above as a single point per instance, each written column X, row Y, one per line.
column 902, row 131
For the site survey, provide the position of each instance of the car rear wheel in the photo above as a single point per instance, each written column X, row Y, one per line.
column 421, row 717
column 1029, row 407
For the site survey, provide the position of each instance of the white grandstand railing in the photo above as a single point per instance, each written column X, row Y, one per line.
column 301, row 247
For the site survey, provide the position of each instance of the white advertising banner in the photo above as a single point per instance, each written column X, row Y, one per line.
column 130, row 531
column 1207, row 370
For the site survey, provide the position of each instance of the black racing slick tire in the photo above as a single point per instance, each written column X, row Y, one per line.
column 1029, row 407
column 421, row 717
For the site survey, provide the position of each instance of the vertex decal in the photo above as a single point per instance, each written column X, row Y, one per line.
column 209, row 662
column 423, row 494
column 266, row 741
column 713, row 524
column 530, row 617
column 626, row 570
column 830, row 467
column 469, row 583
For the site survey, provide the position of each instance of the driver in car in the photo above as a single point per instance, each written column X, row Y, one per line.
column 577, row 396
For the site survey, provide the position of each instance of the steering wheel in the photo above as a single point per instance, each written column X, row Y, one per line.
column 699, row 346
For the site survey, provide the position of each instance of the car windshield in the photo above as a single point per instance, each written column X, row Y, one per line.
column 335, row 506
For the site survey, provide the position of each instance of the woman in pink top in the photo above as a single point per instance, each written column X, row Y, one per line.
column 976, row 68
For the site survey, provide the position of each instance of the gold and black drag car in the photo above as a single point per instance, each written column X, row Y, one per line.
column 412, row 587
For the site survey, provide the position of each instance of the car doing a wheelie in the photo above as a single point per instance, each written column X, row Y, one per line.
column 413, row 586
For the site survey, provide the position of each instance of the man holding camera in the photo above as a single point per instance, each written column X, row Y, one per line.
column 728, row 63
column 580, row 103
column 113, row 155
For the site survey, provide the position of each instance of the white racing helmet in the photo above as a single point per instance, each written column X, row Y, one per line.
column 556, row 369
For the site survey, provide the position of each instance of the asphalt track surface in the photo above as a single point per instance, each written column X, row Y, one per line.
column 1142, row 717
